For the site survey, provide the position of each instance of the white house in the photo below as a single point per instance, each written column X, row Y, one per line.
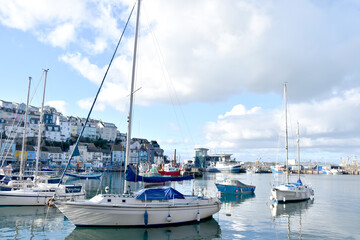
column 107, row 131
column 134, row 152
column 65, row 128
column 91, row 131
column 118, row 155
column 17, row 132
column 52, row 132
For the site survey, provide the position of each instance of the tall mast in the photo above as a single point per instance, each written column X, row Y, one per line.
column 131, row 95
column 174, row 158
column 286, row 137
column 40, row 128
column 298, row 148
column 24, row 133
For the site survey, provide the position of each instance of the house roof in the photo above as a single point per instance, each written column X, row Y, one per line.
column 27, row 147
column 148, row 146
column 118, row 148
column 51, row 149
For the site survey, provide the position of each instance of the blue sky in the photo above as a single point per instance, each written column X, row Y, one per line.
column 211, row 72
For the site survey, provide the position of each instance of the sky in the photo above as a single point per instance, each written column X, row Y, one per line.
column 210, row 73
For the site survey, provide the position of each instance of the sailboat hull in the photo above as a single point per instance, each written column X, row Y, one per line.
column 137, row 213
column 24, row 198
column 289, row 193
column 40, row 197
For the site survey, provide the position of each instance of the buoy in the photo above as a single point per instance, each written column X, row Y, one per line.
column 168, row 218
column 146, row 218
column 50, row 202
column 198, row 216
column 107, row 189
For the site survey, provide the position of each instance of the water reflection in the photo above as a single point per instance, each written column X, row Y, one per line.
column 31, row 219
column 204, row 230
column 290, row 209
column 292, row 214
column 236, row 198
column 232, row 200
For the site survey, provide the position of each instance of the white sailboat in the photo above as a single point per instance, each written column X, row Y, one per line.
column 27, row 192
column 291, row 192
column 148, row 207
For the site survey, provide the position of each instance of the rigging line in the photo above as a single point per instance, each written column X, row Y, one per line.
column 106, row 167
column 8, row 144
column 169, row 84
column 97, row 94
column 37, row 86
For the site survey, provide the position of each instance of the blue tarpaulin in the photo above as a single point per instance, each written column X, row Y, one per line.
column 164, row 193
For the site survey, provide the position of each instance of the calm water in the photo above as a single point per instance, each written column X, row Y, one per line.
column 334, row 214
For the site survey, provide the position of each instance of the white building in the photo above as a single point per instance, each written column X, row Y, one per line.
column 17, row 132
column 118, row 155
column 52, row 132
column 91, row 131
column 134, row 152
column 65, row 128
column 107, row 131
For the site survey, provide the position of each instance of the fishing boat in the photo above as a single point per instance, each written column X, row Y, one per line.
column 132, row 177
column 36, row 191
column 147, row 207
column 169, row 170
column 295, row 191
column 234, row 186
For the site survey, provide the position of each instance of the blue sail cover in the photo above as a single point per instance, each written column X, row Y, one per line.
column 164, row 193
column 132, row 177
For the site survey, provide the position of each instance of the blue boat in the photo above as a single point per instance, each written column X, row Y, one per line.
column 233, row 186
column 88, row 174
column 277, row 169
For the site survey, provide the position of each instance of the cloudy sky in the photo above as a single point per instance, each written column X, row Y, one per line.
column 210, row 72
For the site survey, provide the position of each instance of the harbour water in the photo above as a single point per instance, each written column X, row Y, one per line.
column 333, row 214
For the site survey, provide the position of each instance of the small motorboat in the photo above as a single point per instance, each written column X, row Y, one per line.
column 233, row 186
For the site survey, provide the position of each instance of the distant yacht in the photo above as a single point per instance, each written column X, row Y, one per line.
column 222, row 166
column 291, row 192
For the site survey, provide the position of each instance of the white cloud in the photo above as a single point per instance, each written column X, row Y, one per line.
column 56, row 22
column 61, row 36
column 210, row 51
column 209, row 56
column 239, row 110
column 330, row 125
column 240, row 45
column 85, row 68
column 114, row 92
column 59, row 105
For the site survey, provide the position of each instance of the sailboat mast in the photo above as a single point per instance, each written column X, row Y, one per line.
column 24, row 133
column 131, row 95
column 174, row 158
column 286, row 137
column 298, row 148
column 40, row 128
